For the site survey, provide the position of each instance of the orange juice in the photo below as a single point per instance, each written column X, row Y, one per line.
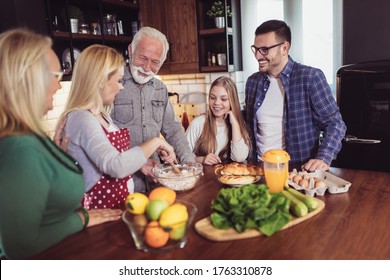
column 276, row 169
column 275, row 179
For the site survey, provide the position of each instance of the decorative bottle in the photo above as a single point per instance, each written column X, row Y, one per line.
column 185, row 122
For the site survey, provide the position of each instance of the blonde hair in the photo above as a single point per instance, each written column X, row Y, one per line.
column 24, row 80
column 93, row 68
column 207, row 142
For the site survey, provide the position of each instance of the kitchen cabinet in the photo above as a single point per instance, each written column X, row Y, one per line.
column 107, row 22
column 177, row 20
column 22, row 13
column 219, row 47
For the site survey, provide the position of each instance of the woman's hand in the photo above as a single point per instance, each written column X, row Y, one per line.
column 211, row 159
column 236, row 131
column 60, row 140
column 167, row 152
column 148, row 167
column 100, row 216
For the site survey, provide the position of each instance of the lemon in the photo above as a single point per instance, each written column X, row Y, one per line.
column 175, row 214
column 175, row 217
column 136, row 203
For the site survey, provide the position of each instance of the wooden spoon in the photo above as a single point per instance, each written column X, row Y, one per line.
column 174, row 167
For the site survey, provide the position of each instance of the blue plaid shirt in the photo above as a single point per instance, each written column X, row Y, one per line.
column 309, row 108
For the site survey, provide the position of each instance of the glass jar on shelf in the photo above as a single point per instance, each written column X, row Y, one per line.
column 84, row 28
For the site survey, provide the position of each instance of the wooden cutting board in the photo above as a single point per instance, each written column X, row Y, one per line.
column 207, row 230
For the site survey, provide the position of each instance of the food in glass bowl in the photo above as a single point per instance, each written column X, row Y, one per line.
column 190, row 175
column 167, row 233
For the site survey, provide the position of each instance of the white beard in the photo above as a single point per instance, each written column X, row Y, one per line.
column 134, row 70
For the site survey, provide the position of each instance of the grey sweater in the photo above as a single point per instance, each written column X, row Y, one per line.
column 89, row 145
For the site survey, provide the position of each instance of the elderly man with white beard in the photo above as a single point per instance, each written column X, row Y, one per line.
column 143, row 106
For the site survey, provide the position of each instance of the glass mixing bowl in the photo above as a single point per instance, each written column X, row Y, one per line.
column 190, row 175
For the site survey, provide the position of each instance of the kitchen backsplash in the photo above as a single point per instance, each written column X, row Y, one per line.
column 192, row 90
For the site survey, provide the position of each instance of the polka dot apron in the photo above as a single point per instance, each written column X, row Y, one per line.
column 110, row 192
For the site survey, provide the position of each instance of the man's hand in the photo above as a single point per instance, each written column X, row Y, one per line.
column 315, row 164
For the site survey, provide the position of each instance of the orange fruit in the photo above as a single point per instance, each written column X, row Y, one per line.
column 163, row 193
column 155, row 236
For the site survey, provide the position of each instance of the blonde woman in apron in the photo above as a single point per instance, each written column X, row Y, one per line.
column 101, row 148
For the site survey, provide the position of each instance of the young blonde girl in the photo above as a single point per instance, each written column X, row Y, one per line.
column 221, row 133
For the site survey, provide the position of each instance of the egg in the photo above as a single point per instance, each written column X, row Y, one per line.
column 297, row 178
column 320, row 184
column 304, row 183
column 291, row 175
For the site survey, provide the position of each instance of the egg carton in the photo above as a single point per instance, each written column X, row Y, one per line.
column 333, row 184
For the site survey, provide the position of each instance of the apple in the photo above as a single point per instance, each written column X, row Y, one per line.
column 155, row 208
column 178, row 232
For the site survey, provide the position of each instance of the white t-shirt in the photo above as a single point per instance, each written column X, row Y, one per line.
column 239, row 150
column 269, row 119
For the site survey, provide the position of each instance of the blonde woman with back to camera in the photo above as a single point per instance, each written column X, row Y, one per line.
column 102, row 149
column 41, row 186
column 221, row 134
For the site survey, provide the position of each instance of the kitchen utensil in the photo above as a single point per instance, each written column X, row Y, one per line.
column 190, row 175
column 207, row 230
column 174, row 168
column 276, row 169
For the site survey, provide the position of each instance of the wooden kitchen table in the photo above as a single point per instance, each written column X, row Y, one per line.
column 353, row 225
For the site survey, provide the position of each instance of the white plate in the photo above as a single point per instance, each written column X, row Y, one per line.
column 67, row 59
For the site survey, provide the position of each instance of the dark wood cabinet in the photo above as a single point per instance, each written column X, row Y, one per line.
column 177, row 20
column 219, row 46
column 23, row 13
column 108, row 22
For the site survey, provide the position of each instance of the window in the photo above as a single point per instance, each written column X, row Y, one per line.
column 315, row 26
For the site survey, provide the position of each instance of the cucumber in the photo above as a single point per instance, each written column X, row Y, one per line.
column 310, row 202
column 297, row 207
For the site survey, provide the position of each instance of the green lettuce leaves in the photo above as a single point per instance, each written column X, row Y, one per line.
column 250, row 207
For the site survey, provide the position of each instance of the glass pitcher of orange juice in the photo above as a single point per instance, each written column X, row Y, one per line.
column 276, row 169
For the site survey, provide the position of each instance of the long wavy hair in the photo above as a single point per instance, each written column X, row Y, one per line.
column 24, row 80
column 93, row 68
column 207, row 142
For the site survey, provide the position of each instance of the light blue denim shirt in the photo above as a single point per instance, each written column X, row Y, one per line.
column 146, row 111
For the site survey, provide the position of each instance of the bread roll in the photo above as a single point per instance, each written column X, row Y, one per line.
column 235, row 168
column 237, row 180
column 218, row 168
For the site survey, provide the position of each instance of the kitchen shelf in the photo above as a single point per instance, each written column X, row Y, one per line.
column 125, row 4
column 214, row 42
column 214, row 31
column 93, row 11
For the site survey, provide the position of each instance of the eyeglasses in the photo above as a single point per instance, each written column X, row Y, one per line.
column 58, row 75
column 263, row 50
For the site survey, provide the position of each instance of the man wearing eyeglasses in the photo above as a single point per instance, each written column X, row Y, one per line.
column 289, row 105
